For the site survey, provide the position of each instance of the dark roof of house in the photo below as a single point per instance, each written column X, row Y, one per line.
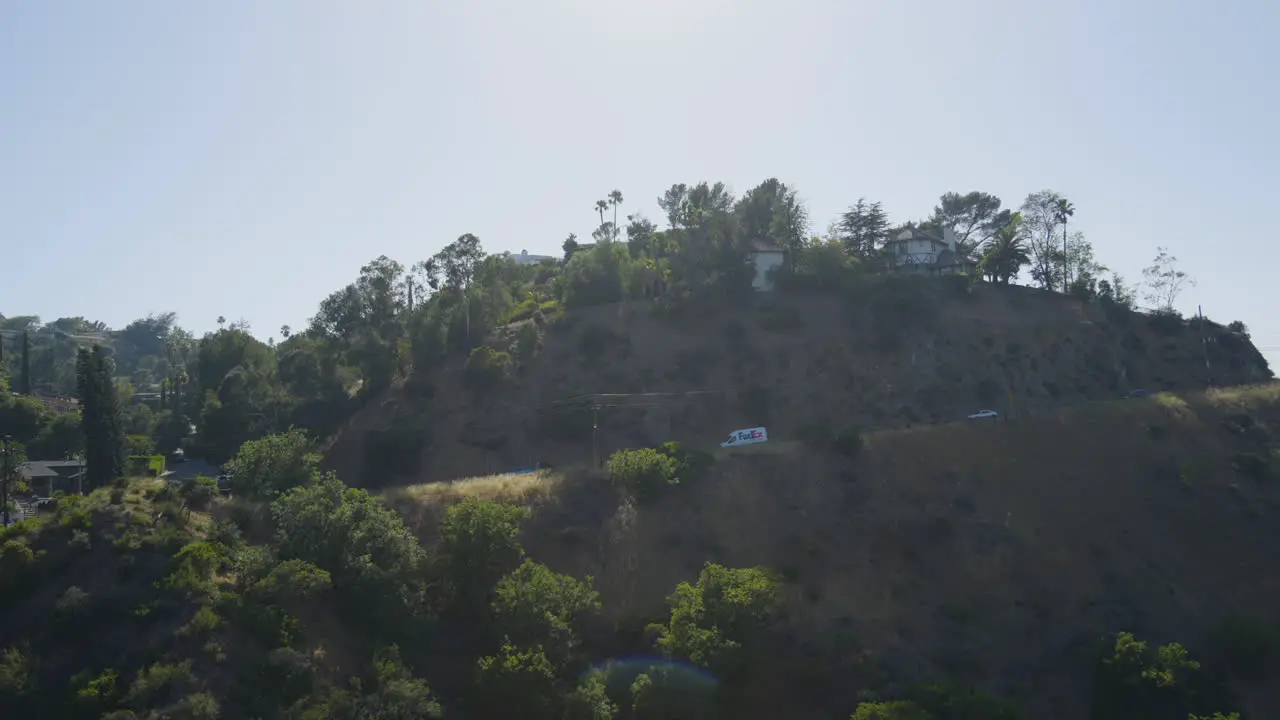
column 33, row 469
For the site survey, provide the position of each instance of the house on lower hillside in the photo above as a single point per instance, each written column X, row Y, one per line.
column 767, row 259
column 46, row 476
column 921, row 251
column 58, row 403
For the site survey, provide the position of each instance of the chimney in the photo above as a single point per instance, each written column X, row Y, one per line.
column 949, row 236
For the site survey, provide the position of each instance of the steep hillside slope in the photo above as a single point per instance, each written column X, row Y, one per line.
column 998, row 553
column 905, row 353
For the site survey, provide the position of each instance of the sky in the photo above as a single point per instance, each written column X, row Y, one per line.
column 244, row 158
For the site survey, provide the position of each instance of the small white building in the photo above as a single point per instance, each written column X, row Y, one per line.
column 767, row 260
column 524, row 258
column 920, row 251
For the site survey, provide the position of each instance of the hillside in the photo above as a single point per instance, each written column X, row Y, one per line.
column 994, row 553
column 899, row 353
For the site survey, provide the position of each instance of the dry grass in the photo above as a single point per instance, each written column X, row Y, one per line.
column 1021, row 537
column 517, row 489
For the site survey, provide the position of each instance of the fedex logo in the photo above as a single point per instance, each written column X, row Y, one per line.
column 748, row 436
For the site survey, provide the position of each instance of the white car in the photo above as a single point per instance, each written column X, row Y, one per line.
column 984, row 414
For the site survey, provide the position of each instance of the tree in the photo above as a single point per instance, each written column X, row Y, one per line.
column 1006, row 253
column 1164, row 281
column 100, row 418
column 1083, row 268
column 713, row 621
column 864, row 228
column 458, row 262
column 615, row 199
column 1063, row 210
column 974, row 217
column 274, row 464
column 601, row 206
column 570, row 246
column 773, row 212
column 1039, row 220
column 24, row 373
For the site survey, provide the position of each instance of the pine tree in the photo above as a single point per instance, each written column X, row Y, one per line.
column 100, row 418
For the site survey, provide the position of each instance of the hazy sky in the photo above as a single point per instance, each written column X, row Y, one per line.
column 245, row 158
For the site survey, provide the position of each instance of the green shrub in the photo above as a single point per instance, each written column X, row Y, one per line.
column 643, row 473
column 692, row 464
column 726, row 612
column 481, row 543
column 486, row 368
column 896, row 710
column 199, row 492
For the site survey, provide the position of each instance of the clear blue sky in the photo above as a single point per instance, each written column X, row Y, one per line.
column 244, row 158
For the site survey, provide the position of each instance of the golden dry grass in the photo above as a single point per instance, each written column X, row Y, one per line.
column 517, row 489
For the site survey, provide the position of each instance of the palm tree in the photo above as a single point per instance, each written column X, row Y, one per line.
column 1062, row 210
column 615, row 199
column 601, row 206
column 1006, row 253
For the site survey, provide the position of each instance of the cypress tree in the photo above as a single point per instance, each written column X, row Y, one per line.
column 100, row 418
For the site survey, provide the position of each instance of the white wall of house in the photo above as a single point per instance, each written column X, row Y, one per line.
column 524, row 258
column 766, row 263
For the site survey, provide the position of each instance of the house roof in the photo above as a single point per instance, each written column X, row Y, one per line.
column 908, row 235
column 35, row 469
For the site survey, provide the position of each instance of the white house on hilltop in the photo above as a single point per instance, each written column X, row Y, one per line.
column 524, row 258
column 766, row 259
column 920, row 251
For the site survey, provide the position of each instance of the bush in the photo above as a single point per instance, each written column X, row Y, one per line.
column 198, row 492
column 692, row 464
column 1167, row 322
column 481, row 540
column 713, row 621
column 643, row 473
column 899, row 710
column 486, row 368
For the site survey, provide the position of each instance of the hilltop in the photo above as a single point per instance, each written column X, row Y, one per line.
column 891, row 352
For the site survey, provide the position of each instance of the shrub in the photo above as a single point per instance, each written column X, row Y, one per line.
column 643, row 473
column 486, row 368
column 897, row 710
column 199, row 492
column 535, row 607
column 72, row 603
column 692, row 464
column 527, row 343
column 1167, row 322
column 481, row 540
column 713, row 620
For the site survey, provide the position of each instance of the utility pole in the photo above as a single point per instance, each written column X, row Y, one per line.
column 5, row 472
column 1204, row 343
column 595, row 455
